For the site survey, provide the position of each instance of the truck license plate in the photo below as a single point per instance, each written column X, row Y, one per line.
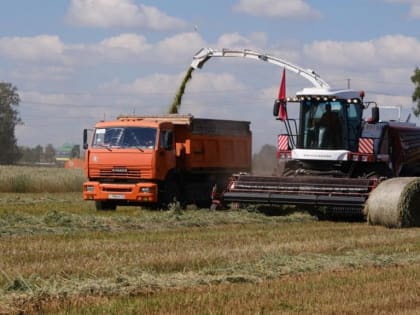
column 115, row 196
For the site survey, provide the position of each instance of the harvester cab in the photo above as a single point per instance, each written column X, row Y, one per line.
column 327, row 120
column 329, row 133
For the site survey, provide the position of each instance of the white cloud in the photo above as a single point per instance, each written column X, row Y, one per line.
column 69, row 115
column 129, row 42
column 133, row 48
column 209, row 82
column 120, row 13
column 124, row 48
column 38, row 73
column 153, row 84
column 201, row 84
column 236, row 40
column 381, row 66
column 385, row 51
column 276, row 8
column 121, row 48
column 42, row 47
column 398, row 49
column 414, row 11
column 340, row 53
column 179, row 48
column 155, row 92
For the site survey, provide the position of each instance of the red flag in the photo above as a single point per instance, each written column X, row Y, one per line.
column 282, row 97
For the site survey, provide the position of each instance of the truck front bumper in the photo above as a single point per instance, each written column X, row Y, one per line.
column 139, row 192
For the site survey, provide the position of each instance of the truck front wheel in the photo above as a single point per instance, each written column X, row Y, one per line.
column 105, row 205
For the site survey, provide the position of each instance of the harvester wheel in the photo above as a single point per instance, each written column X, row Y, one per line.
column 235, row 206
column 395, row 203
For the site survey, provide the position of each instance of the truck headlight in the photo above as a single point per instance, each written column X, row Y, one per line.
column 145, row 189
column 90, row 188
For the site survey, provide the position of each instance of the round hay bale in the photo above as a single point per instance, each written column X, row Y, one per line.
column 395, row 203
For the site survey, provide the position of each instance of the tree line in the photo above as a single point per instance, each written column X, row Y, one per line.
column 10, row 153
column 47, row 154
column 37, row 154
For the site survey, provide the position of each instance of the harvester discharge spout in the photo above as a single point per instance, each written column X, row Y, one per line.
column 203, row 55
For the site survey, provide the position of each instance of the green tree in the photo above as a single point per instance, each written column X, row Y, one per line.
column 9, row 118
column 416, row 95
column 49, row 153
column 75, row 151
column 38, row 153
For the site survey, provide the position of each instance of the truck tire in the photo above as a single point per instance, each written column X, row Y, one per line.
column 171, row 192
column 105, row 205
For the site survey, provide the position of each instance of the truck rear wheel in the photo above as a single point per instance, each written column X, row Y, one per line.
column 105, row 205
column 170, row 193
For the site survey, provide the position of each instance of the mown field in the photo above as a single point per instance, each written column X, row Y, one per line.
column 60, row 256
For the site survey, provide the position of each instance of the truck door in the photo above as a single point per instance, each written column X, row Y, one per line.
column 166, row 157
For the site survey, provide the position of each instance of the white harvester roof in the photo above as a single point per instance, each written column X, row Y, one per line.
column 339, row 94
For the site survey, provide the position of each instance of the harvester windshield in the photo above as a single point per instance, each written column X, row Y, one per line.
column 126, row 137
column 329, row 124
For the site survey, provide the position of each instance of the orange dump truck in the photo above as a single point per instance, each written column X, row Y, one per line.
column 152, row 161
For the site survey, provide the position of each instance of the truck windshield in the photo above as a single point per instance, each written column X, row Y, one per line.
column 136, row 137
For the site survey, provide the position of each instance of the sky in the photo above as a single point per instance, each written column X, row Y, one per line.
column 75, row 62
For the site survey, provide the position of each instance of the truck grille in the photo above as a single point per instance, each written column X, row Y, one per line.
column 119, row 172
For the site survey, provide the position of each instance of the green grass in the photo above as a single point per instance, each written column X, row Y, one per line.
column 59, row 255
column 26, row 179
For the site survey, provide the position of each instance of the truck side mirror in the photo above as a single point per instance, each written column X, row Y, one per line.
column 85, row 136
column 276, row 107
column 375, row 114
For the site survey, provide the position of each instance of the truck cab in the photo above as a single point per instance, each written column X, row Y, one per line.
column 126, row 159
